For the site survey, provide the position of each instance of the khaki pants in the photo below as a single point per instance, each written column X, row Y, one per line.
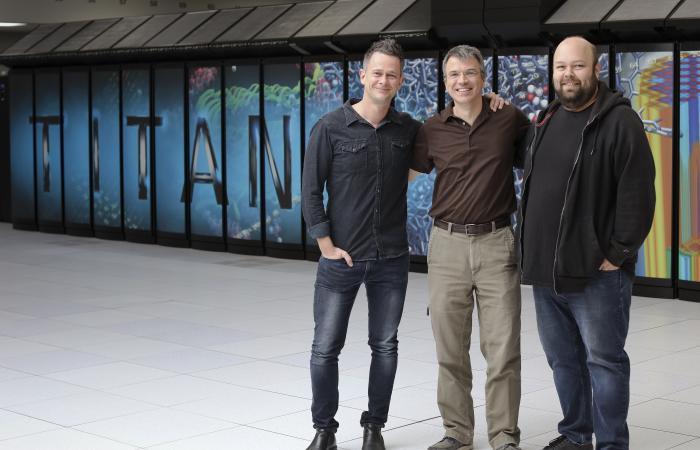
column 463, row 270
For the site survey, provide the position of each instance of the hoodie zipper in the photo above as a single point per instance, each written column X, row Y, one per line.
column 526, row 177
column 563, row 208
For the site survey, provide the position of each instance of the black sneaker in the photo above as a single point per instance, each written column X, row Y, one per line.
column 563, row 443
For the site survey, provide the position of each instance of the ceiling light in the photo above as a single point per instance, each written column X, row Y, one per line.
column 12, row 24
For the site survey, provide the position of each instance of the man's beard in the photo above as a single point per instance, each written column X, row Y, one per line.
column 579, row 97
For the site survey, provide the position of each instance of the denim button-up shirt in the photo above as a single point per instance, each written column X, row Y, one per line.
column 365, row 171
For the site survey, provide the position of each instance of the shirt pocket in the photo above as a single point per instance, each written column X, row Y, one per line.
column 400, row 153
column 350, row 156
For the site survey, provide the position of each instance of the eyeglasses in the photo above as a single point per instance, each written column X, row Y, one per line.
column 470, row 74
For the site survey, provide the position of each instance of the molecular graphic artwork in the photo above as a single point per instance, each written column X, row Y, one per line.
column 419, row 97
column 689, row 204
column 646, row 78
column 323, row 92
column 524, row 81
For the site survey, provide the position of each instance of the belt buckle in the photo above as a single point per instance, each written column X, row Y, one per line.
column 466, row 229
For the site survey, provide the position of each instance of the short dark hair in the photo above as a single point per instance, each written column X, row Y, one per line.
column 464, row 52
column 387, row 46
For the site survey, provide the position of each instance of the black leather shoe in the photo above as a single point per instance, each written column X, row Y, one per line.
column 324, row 440
column 372, row 437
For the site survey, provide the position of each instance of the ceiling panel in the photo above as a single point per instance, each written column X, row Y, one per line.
column 144, row 33
column 57, row 37
column 86, row 35
column 576, row 11
column 31, row 39
column 215, row 26
column 253, row 23
column 334, row 18
column 377, row 17
column 115, row 33
column 643, row 10
column 293, row 20
column 179, row 29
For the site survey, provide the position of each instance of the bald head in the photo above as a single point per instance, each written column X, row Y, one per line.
column 576, row 47
column 575, row 73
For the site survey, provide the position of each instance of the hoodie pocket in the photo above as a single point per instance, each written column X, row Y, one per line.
column 579, row 254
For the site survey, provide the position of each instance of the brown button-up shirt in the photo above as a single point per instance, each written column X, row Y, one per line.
column 474, row 164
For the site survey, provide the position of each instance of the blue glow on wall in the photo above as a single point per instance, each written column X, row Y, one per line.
column 47, row 147
column 204, row 156
column 242, row 151
column 282, row 153
column 136, row 148
column 76, row 146
column 169, row 108
column 22, row 147
column 323, row 92
column 106, row 177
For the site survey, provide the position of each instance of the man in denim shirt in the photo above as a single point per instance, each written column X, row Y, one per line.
column 361, row 154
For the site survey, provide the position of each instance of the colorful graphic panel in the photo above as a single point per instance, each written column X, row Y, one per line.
column 418, row 97
column 106, row 177
column 204, row 166
column 689, row 205
column 323, row 91
column 76, row 146
column 136, row 143
column 22, row 146
column 647, row 80
column 355, row 88
column 242, row 151
column 47, row 146
column 523, row 80
column 604, row 62
column 169, row 111
column 282, row 136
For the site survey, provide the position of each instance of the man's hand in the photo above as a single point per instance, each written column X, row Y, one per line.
column 330, row 251
column 412, row 175
column 496, row 102
column 607, row 266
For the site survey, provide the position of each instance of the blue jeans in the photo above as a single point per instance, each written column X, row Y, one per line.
column 336, row 288
column 583, row 335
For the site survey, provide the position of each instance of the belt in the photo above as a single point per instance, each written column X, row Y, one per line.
column 473, row 229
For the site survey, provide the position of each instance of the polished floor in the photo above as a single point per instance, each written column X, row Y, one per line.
column 112, row 345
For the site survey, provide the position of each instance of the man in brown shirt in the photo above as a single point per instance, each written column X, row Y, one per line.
column 471, row 255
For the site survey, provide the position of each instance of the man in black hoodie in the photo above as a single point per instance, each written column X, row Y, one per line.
column 588, row 204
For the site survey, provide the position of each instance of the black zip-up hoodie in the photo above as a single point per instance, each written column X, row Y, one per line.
column 609, row 200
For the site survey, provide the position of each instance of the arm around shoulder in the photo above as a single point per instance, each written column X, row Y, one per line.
column 422, row 162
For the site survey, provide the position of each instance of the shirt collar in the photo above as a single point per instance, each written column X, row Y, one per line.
column 448, row 112
column 352, row 116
